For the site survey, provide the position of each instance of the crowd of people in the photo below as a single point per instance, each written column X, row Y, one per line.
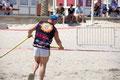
column 101, row 8
column 60, row 12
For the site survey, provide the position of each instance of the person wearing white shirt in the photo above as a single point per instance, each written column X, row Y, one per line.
column 6, row 5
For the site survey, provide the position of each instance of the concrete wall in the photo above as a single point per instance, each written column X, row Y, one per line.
column 21, row 19
column 31, row 9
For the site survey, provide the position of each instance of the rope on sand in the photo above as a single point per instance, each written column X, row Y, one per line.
column 14, row 47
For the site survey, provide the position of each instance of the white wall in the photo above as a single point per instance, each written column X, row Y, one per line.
column 28, row 9
column 25, row 9
column 33, row 10
column 15, row 12
column 119, row 3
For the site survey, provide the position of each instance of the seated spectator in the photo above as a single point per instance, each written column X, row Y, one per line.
column 6, row 5
column 113, row 7
column 0, row 4
column 97, row 8
column 79, row 13
column 103, row 10
column 60, row 12
column 71, row 13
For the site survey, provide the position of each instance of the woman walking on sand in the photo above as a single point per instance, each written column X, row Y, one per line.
column 43, row 38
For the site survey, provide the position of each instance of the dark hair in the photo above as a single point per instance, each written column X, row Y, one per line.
column 61, row 4
column 71, row 5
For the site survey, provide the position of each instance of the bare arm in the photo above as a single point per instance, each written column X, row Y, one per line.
column 57, row 39
column 116, row 7
column 76, row 12
column 56, row 11
column 95, row 6
column 31, row 30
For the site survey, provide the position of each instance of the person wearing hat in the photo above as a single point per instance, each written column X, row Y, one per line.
column 43, row 38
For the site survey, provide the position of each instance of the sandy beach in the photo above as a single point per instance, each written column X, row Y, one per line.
column 69, row 64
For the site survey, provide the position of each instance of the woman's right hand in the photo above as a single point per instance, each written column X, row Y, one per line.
column 61, row 48
column 30, row 35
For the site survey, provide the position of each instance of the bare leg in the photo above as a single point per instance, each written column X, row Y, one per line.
column 5, row 11
column 63, row 19
column 11, row 9
column 77, row 18
column 83, row 18
column 36, row 64
column 72, row 17
column 43, row 63
column 105, row 14
column 69, row 17
column 35, row 67
column 100, row 15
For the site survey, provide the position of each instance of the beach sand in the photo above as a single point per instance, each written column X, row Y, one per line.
column 63, row 64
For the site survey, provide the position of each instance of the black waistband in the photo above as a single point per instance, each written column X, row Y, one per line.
column 39, row 46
